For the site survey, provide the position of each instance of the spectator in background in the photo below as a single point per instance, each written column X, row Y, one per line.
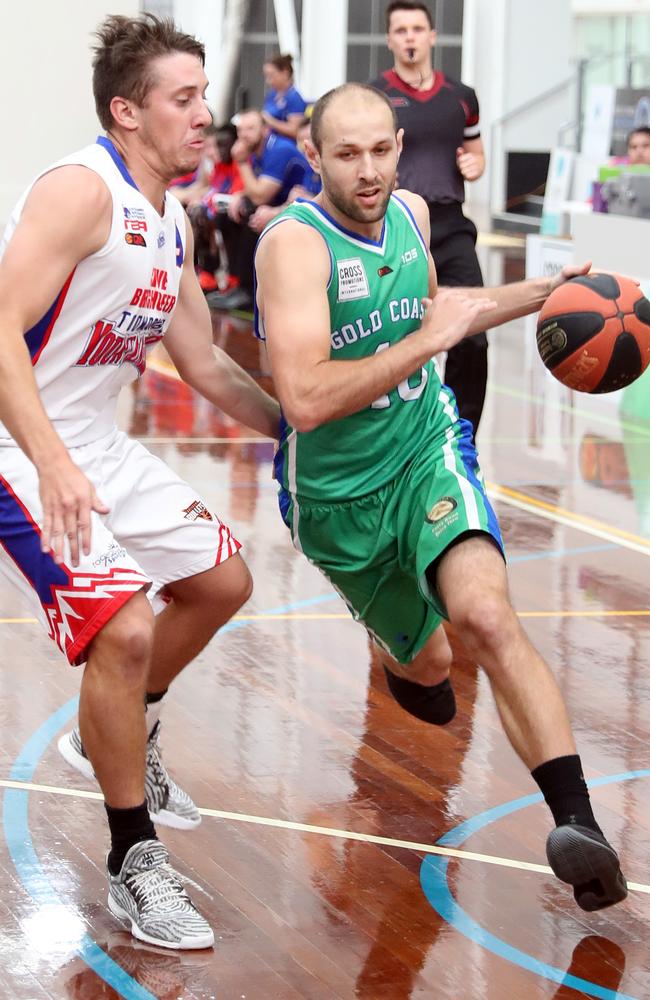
column 442, row 150
column 284, row 107
column 270, row 166
column 207, row 199
column 638, row 146
column 308, row 189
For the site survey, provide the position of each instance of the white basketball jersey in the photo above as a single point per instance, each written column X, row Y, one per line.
column 112, row 308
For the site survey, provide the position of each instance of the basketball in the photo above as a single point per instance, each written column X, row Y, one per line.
column 593, row 332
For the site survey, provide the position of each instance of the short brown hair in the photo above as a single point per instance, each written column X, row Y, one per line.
column 284, row 63
column 122, row 62
column 407, row 5
column 322, row 104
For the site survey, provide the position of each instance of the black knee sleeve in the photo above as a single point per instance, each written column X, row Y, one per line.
column 435, row 704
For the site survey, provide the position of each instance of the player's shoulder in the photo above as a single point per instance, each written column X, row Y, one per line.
column 382, row 82
column 462, row 89
column 70, row 188
column 289, row 242
column 414, row 202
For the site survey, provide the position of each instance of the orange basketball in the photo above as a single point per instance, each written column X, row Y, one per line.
column 593, row 332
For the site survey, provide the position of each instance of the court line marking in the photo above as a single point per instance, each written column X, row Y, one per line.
column 345, row 616
column 326, row 831
column 571, row 519
column 435, row 885
column 596, row 416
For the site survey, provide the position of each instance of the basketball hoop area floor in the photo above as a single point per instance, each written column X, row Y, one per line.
column 347, row 850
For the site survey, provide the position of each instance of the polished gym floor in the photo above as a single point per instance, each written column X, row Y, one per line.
column 347, row 850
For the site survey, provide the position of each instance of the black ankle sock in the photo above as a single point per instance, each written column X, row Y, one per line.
column 128, row 827
column 151, row 699
column 563, row 786
column 435, row 704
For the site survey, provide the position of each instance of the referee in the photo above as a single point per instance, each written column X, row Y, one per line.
column 442, row 150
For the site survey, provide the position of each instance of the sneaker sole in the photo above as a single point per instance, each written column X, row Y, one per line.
column 73, row 758
column 183, row 944
column 591, row 866
column 173, row 820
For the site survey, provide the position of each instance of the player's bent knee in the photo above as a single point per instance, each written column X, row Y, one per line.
column 125, row 643
column 435, row 704
column 484, row 624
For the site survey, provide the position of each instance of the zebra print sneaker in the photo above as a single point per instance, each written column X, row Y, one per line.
column 168, row 804
column 149, row 895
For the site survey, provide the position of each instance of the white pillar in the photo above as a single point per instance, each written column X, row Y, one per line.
column 204, row 19
column 324, row 46
column 47, row 110
column 288, row 39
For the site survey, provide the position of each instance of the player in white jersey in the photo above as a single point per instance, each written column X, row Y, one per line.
column 92, row 524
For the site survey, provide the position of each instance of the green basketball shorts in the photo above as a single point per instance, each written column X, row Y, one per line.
column 376, row 549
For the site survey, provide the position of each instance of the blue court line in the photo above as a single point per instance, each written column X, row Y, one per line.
column 31, row 874
column 19, row 839
column 434, row 882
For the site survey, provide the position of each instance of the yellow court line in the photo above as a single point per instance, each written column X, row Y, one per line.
column 325, row 831
column 345, row 616
column 570, row 518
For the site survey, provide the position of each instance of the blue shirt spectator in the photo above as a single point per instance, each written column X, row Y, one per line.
column 284, row 106
column 280, row 160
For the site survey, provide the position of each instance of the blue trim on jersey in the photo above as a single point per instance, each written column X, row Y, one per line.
column 180, row 253
column 278, row 462
column 348, row 232
column 35, row 336
column 22, row 541
column 412, row 218
column 117, row 159
column 467, row 449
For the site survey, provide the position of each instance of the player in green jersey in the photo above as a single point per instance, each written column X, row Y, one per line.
column 380, row 483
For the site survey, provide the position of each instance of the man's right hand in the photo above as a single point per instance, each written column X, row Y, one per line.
column 68, row 499
column 450, row 315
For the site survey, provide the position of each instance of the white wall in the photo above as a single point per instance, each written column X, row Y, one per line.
column 47, row 107
column 514, row 51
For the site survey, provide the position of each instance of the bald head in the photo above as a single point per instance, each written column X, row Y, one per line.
column 349, row 96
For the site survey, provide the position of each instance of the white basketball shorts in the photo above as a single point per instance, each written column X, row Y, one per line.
column 157, row 531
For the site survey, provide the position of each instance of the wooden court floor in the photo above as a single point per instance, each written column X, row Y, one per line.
column 347, row 850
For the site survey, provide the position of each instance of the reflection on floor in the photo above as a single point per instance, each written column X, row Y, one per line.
column 283, row 731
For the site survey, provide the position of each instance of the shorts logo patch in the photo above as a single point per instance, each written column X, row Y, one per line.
column 196, row 510
column 353, row 280
column 441, row 509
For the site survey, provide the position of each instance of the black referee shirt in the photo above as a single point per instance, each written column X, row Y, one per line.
column 435, row 122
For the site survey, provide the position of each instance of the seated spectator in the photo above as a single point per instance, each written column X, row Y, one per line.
column 284, row 107
column 307, row 190
column 210, row 253
column 638, row 148
column 270, row 167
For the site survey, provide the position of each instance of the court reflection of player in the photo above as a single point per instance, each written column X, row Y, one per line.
column 165, row 974
column 597, row 960
column 624, row 466
column 398, row 920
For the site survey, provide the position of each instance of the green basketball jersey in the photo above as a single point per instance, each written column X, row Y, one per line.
column 375, row 298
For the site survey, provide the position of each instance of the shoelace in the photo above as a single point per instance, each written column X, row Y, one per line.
column 160, row 887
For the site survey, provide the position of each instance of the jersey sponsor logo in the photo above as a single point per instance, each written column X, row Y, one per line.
column 135, row 239
column 151, row 298
column 134, row 213
column 410, row 255
column 197, row 510
column 161, row 240
column 353, row 280
column 383, row 271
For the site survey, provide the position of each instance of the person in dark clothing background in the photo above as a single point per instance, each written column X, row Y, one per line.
column 442, row 150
